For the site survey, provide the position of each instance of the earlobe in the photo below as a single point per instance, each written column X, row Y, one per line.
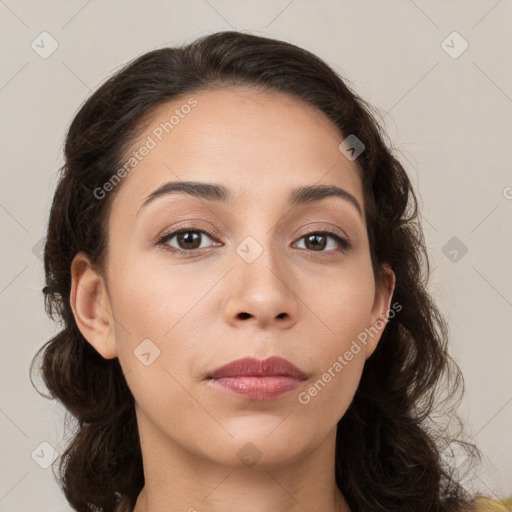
column 91, row 306
column 381, row 307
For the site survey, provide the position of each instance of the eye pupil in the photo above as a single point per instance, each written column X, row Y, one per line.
column 314, row 239
column 189, row 237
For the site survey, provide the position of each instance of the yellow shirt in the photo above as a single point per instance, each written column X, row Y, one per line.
column 489, row 505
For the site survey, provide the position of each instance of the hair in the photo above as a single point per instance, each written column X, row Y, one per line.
column 394, row 441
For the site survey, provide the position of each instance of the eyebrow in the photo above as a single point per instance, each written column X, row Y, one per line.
column 219, row 193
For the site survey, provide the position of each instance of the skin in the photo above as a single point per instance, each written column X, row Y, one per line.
column 304, row 305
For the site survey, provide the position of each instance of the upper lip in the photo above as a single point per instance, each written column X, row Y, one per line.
column 249, row 366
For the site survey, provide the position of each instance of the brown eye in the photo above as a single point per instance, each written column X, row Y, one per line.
column 314, row 242
column 188, row 240
column 318, row 241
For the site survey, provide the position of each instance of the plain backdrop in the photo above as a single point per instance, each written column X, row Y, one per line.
column 439, row 74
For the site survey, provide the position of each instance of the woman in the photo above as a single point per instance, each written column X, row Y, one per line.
column 236, row 257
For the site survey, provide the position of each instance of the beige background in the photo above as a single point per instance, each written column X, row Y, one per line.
column 449, row 113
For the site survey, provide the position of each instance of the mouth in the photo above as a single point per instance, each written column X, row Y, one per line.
column 256, row 379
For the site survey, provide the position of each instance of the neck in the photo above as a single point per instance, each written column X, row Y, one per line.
column 178, row 480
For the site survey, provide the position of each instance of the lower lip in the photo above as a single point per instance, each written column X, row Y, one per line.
column 257, row 388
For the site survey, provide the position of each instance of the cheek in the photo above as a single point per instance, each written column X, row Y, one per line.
column 152, row 308
column 156, row 308
column 344, row 307
column 152, row 298
column 340, row 301
column 341, row 314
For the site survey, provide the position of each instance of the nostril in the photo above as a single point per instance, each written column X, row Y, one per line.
column 244, row 315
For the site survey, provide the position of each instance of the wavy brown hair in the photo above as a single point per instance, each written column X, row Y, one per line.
column 393, row 441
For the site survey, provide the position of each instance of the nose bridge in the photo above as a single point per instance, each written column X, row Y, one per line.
column 262, row 237
column 261, row 260
column 259, row 249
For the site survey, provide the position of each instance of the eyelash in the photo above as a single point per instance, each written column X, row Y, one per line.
column 162, row 241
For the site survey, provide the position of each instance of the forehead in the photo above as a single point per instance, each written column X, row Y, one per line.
column 256, row 143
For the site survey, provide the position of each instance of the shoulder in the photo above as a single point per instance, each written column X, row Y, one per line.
column 483, row 504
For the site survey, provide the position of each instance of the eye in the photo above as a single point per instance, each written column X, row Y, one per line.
column 316, row 241
column 188, row 240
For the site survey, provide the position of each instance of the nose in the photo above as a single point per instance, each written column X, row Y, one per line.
column 262, row 293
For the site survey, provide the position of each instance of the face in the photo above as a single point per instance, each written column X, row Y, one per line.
column 257, row 276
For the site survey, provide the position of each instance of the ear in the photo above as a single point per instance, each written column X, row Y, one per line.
column 91, row 306
column 380, row 309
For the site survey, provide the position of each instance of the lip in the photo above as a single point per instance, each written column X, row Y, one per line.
column 258, row 379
